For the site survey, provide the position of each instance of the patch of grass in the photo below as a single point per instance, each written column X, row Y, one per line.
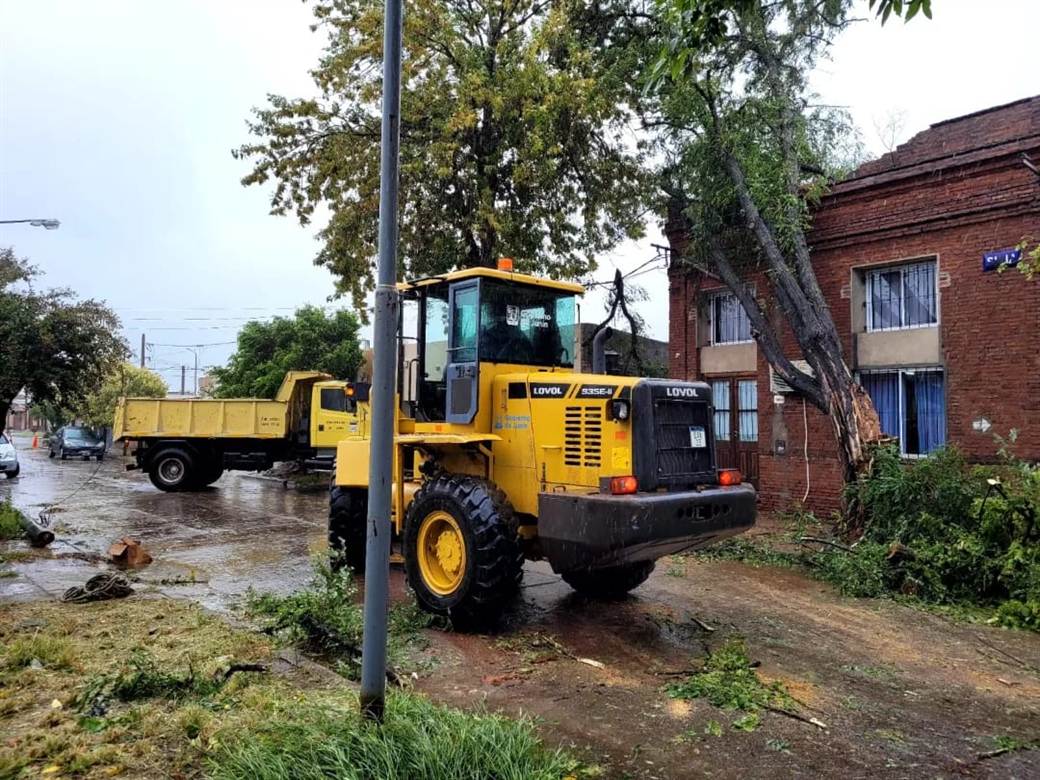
column 10, row 528
column 727, row 680
column 51, row 652
column 326, row 618
column 1006, row 743
column 160, row 708
column 676, row 567
column 748, row 722
column 713, row 728
column 417, row 740
column 779, row 745
column 143, row 678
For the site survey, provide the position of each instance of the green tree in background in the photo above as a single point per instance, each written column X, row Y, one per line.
column 127, row 381
column 58, row 348
column 516, row 138
column 310, row 341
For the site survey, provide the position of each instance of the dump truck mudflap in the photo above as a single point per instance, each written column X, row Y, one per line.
column 590, row 531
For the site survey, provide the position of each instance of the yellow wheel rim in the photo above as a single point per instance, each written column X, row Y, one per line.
column 441, row 553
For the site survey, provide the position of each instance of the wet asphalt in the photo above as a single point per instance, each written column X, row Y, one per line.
column 210, row 546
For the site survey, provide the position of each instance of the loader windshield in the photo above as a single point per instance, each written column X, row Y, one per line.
column 526, row 324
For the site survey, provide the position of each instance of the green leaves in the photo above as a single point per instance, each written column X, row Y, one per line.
column 127, row 381
column 887, row 8
column 57, row 347
column 310, row 341
column 514, row 142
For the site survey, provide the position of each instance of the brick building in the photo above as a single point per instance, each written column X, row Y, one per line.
column 906, row 251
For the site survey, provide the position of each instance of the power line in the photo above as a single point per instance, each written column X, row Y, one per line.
column 199, row 346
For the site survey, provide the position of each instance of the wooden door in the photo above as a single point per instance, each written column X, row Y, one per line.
column 736, row 424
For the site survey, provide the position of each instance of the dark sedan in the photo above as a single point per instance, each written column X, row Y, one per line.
column 76, row 442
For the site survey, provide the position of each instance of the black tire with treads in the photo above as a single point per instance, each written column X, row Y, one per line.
column 609, row 583
column 494, row 558
column 348, row 510
column 186, row 479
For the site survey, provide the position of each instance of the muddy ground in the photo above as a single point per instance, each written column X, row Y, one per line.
column 902, row 692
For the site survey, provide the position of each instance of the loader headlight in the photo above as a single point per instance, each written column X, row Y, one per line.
column 619, row 409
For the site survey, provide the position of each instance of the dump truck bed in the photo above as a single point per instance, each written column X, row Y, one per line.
column 147, row 418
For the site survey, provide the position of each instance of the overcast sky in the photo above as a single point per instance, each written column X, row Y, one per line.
column 118, row 119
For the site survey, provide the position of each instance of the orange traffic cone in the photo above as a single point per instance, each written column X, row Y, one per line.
column 36, row 442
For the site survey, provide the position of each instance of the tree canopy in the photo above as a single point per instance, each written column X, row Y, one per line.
column 310, row 341
column 127, row 380
column 516, row 138
column 59, row 348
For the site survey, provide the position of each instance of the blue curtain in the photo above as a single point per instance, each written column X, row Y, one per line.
column 883, row 389
column 930, row 395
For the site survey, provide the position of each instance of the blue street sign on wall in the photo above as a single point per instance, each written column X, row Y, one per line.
column 991, row 261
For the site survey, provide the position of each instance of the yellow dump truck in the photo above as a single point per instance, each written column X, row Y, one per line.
column 188, row 443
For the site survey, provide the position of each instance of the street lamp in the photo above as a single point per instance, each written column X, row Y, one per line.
column 47, row 224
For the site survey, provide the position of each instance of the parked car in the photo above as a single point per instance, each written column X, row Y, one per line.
column 75, row 442
column 8, row 458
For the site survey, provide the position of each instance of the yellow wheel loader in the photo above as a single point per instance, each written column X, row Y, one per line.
column 503, row 452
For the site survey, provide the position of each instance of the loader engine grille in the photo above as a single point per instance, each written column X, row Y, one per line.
column 669, row 419
column 583, row 436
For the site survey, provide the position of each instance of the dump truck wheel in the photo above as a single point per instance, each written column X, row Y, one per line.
column 172, row 470
column 348, row 511
column 462, row 552
column 209, row 474
column 610, row 583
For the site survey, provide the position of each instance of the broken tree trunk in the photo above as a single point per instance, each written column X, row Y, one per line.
column 38, row 535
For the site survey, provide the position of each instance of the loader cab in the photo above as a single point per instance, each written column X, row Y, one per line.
column 475, row 324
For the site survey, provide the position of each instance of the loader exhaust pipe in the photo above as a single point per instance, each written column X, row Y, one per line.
column 599, row 350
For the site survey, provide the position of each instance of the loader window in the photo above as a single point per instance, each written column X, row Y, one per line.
column 526, row 324
column 434, row 359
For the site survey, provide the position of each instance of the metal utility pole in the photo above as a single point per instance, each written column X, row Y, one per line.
column 384, row 337
column 142, row 350
column 183, row 370
column 46, row 224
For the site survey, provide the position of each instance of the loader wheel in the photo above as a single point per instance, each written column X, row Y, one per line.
column 462, row 552
column 609, row 583
column 348, row 510
column 172, row 470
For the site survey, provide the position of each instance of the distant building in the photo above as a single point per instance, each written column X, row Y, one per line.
column 906, row 251
column 20, row 417
column 208, row 385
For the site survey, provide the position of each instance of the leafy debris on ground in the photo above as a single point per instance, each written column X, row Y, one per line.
column 940, row 532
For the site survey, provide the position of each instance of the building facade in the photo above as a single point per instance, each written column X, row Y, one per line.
column 908, row 252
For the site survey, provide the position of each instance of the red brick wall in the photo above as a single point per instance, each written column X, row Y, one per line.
column 988, row 322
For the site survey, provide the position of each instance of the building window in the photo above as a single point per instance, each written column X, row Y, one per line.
column 747, row 409
column 729, row 321
column 720, row 399
column 911, row 404
column 902, row 297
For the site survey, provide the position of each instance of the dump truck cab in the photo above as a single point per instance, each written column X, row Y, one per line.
column 504, row 452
